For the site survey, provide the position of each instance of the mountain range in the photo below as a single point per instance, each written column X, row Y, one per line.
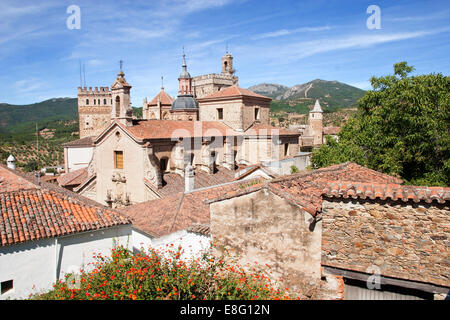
column 333, row 95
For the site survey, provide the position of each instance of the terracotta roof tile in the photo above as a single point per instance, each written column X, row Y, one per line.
column 368, row 190
column 163, row 97
column 84, row 142
column 177, row 212
column 10, row 181
column 73, row 178
column 174, row 183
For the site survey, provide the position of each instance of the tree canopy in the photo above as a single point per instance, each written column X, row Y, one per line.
column 401, row 128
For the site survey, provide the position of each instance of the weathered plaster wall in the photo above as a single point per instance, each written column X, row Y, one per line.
column 265, row 228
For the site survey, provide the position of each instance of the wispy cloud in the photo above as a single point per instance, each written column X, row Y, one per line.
column 299, row 50
column 285, row 32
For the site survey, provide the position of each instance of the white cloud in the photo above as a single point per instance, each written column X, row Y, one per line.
column 284, row 32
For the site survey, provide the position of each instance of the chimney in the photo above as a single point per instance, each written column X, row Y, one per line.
column 11, row 162
column 188, row 179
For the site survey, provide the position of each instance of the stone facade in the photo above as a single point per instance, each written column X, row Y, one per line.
column 94, row 109
column 205, row 85
column 404, row 240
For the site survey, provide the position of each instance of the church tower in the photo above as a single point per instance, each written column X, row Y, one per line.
column 227, row 64
column 120, row 95
column 316, row 123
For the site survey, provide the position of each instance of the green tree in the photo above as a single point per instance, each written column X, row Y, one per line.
column 401, row 128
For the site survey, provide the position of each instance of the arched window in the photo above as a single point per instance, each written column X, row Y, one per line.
column 117, row 106
column 104, row 101
column 95, row 102
column 87, row 101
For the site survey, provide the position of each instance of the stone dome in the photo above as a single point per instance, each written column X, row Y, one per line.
column 184, row 102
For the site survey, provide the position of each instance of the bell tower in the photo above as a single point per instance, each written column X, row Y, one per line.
column 120, row 95
column 227, row 64
column 316, row 123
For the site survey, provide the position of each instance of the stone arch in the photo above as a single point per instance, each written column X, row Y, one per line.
column 165, row 115
column 152, row 116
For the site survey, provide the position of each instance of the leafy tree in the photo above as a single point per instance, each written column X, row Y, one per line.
column 401, row 128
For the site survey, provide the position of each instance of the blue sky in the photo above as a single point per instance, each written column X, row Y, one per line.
column 285, row 42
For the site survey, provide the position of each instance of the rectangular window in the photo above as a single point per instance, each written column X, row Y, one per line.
column 6, row 286
column 118, row 159
column 256, row 113
column 286, row 149
column 220, row 113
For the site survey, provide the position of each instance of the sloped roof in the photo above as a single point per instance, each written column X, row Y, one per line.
column 73, row 178
column 31, row 211
column 174, row 183
column 11, row 181
column 39, row 213
column 233, row 91
column 166, row 129
column 383, row 191
column 166, row 99
column 179, row 211
column 83, row 142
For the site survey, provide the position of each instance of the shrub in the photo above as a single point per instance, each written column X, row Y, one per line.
column 163, row 275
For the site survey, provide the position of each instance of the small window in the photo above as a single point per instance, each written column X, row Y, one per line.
column 104, row 101
column 220, row 113
column 95, row 102
column 286, row 149
column 256, row 113
column 118, row 159
column 6, row 286
column 87, row 101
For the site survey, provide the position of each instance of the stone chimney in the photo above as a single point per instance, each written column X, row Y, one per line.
column 188, row 179
column 11, row 162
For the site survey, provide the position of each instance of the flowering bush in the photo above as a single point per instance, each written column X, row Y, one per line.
column 163, row 275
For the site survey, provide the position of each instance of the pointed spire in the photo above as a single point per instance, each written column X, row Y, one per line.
column 317, row 107
column 184, row 73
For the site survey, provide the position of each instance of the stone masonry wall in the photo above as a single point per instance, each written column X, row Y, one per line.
column 404, row 240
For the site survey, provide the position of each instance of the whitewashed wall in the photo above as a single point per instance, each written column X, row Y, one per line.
column 33, row 265
column 78, row 158
column 194, row 245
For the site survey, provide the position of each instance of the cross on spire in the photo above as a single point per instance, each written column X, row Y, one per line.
column 162, row 82
column 121, row 63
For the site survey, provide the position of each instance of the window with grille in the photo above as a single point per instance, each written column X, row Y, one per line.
column 220, row 114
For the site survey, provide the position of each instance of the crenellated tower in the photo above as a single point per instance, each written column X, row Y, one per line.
column 94, row 110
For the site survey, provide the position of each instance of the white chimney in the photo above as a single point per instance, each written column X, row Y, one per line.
column 188, row 179
column 11, row 162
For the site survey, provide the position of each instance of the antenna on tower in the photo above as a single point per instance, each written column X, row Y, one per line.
column 84, row 76
column 81, row 79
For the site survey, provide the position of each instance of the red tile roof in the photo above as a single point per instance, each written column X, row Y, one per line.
column 306, row 188
column 178, row 212
column 174, row 183
column 10, row 181
column 39, row 213
column 29, row 211
column 163, row 97
column 331, row 130
column 233, row 91
column 355, row 190
column 166, row 129
column 73, row 178
column 84, row 142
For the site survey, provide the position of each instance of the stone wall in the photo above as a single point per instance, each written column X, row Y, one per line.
column 404, row 240
column 265, row 228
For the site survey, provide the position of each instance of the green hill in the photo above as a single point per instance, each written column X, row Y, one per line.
column 333, row 96
column 22, row 118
